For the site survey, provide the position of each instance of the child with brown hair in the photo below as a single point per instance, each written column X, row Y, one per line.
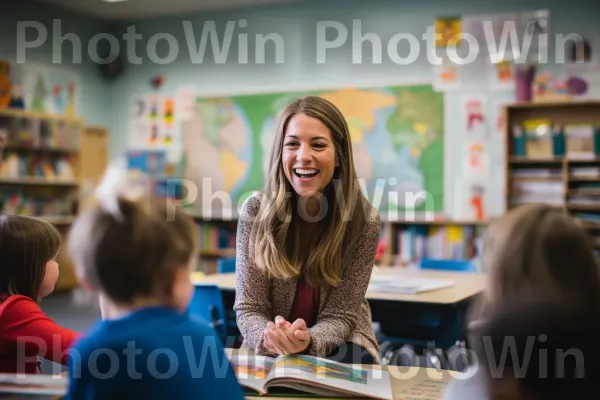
column 137, row 255
column 533, row 251
column 540, row 349
column 28, row 250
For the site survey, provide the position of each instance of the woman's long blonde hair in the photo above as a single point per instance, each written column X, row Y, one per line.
column 275, row 234
column 537, row 251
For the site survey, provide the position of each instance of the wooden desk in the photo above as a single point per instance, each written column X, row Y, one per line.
column 403, row 379
column 466, row 285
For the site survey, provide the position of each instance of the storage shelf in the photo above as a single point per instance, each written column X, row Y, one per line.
column 19, row 113
column 570, row 188
column 219, row 253
column 583, row 161
column 584, row 179
column 552, row 104
column 37, row 181
column 39, row 149
column 445, row 222
column 581, row 207
column 535, row 161
column 583, row 193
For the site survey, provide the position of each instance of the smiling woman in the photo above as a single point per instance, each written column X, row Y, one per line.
column 306, row 245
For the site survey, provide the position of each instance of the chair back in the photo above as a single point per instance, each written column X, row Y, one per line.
column 448, row 265
column 226, row 265
column 207, row 304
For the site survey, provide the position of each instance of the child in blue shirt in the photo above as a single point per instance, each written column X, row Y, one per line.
column 136, row 254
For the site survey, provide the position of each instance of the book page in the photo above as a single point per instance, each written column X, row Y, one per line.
column 34, row 384
column 252, row 371
column 425, row 390
column 317, row 373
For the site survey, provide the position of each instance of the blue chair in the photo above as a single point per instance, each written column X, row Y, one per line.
column 448, row 265
column 226, row 265
column 207, row 304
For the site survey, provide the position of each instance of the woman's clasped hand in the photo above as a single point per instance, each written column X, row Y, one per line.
column 284, row 337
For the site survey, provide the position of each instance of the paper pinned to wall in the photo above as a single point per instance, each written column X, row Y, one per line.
column 502, row 76
column 153, row 122
column 473, row 116
column 446, row 76
column 186, row 100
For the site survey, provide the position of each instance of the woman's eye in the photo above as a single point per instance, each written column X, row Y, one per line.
column 291, row 144
column 320, row 145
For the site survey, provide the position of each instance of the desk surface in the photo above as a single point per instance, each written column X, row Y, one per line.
column 405, row 381
column 465, row 285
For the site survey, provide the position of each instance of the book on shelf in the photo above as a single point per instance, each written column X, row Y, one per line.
column 303, row 375
column 539, row 138
column 440, row 242
column 580, row 142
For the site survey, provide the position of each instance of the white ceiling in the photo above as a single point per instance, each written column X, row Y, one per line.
column 145, row 9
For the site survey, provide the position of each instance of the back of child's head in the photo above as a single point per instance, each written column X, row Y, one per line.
column 26, row 245
column 134, row 250
column 540, row 350
column 538, row 248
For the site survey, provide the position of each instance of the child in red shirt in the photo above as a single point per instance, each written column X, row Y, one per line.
column 28, row 250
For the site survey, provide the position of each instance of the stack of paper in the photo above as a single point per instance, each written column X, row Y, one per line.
column 407, row 285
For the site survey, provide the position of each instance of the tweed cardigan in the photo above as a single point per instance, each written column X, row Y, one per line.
column 343, row 315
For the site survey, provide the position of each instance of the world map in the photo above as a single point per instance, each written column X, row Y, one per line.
column 397, row 137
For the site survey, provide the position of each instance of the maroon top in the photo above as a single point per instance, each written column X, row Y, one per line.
column 306, row 304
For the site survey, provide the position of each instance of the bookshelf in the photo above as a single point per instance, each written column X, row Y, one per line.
column 39, row 169
column 553, row 156
column 407, row 242
column 404, row 242
column 216, row 239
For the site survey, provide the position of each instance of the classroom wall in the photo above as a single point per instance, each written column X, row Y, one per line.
column 296, row 24
column 95, row 91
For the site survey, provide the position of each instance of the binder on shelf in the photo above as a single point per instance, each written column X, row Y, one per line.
column 518, row 139
column 538, row 138
column 558, row 141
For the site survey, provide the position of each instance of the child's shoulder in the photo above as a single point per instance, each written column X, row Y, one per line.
column 16, row 304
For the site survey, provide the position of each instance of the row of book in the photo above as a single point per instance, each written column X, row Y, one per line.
column 454, row 242
column 543, row 138
column 212, row 237
column 543, row 185
column 37, row 133
column 17, row 165
column 18, row 202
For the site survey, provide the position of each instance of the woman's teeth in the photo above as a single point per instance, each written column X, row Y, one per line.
column 306, row 172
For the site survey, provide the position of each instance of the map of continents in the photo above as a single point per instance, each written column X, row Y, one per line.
column 397, row 137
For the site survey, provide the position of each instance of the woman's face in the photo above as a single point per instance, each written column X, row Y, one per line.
column 308, row 155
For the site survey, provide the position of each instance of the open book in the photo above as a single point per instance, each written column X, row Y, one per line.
column 303, row 375
column 33, row 386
